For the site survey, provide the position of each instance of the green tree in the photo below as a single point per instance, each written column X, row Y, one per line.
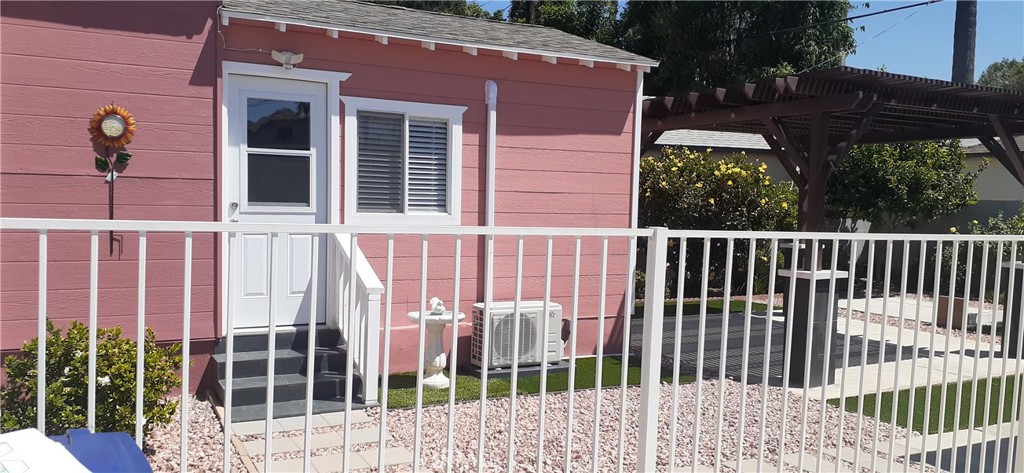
column 594, row 20
column 451, row 7
column 707, row 44
column 1005, row 74
column 902, row 184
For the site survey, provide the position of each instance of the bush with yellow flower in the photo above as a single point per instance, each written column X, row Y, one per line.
column 693, row 190
column 686, row 189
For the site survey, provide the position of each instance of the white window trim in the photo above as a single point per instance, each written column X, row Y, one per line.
column 451, row 113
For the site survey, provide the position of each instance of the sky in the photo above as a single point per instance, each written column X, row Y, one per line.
column 919, row 41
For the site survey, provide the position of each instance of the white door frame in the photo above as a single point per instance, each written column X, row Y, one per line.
column 332, row 80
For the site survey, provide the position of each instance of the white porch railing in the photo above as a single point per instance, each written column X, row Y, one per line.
column 359, row 314
column 728, row 381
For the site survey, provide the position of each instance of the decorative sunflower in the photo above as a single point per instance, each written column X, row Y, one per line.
column 112, row 126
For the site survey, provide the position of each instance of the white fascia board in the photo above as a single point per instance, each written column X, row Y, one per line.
column 642, row 65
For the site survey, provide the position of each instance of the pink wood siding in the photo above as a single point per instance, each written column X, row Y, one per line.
column 564, row 159
column 60, row 63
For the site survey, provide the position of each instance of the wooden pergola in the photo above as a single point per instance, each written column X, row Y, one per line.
column 811, row 120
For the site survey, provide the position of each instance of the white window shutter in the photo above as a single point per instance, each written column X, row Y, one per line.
column 380, row 163
column 428, row 166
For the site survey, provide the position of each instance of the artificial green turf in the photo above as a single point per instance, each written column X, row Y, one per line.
column 693, row 307
column 402, row 386
column 966, row 421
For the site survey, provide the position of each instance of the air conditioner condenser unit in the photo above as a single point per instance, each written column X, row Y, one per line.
column 534, row 347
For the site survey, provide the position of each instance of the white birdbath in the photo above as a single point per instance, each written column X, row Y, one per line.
column 434, row 357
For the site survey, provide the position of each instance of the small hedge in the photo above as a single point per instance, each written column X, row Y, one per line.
column 67, row 365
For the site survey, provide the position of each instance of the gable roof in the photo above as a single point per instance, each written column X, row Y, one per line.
column 418, row 25
column 973, row 146
column 712, row 139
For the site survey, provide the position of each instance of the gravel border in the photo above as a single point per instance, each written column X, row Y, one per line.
column 205, row 441
column 434, row 428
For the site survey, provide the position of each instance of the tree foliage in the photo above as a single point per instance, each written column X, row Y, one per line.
column 451, row 7
column 902, row 184
column 1007, row 74
column 709, row 44
column 594, row 20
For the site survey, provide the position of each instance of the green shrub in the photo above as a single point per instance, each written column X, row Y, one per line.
column 67, row 362
column 998, row 225
column 684, row 189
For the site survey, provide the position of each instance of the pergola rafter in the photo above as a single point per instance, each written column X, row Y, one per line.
column 811, row 120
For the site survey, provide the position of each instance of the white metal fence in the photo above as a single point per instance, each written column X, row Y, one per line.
column 730, row 380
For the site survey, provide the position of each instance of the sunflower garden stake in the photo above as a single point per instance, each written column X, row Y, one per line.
column 112, row 127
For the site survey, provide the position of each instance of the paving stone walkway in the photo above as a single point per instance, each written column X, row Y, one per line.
column 289, row 440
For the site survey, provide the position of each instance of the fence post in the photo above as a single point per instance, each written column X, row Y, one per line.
column 650, row 364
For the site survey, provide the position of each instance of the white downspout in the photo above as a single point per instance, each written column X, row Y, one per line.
column 491, row 97
column 634, row 192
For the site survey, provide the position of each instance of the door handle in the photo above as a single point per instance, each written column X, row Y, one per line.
column 234, row 205
column 233, row 220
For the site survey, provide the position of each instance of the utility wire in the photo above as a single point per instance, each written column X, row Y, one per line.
column 880, row 33
column 820, row 23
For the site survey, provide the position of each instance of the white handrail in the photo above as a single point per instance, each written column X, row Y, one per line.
column 363, row 344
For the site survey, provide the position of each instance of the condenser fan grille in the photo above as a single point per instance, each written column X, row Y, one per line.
column 503, row 337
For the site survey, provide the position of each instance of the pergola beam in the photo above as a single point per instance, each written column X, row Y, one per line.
column 784, row 159
column 848, row 102
column 853, row 137
column 1014, row 159
column 791, row 151
column 649, row 141
column 1013, row 165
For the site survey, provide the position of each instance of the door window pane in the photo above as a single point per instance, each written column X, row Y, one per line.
column 278, row 180
column 278, row 124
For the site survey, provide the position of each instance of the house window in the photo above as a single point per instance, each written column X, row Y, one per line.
column 402, row 162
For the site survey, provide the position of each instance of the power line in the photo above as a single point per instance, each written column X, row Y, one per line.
column 820, row 23
column 880, row 33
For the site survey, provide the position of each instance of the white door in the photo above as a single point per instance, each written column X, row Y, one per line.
column 276, row 172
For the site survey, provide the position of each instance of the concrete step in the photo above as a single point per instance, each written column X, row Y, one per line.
column 286, row 361
column 286, row 409
column 288, row 387
column 284, row 339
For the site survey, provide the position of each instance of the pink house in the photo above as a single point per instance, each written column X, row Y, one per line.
column 308, row 112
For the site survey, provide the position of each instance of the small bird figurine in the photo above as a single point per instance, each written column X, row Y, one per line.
column 436, row 306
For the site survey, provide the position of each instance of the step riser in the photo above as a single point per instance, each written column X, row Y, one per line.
column 296, row 340
column 333, row 361
column 322, row 389
column 291, row 409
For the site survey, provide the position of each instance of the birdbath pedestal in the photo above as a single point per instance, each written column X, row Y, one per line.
column 434, row 358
